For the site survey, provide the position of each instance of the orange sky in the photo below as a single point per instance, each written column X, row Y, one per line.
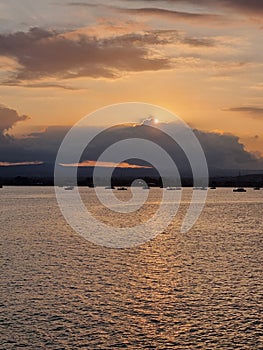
column 203, row 62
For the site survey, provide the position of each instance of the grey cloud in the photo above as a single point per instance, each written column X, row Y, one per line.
column 35, row 146
column 225, row 151
column 8, row 118
column 43, row 53
column 171, row 14
column 255, row 6
column 48, row 54
column 255, row 112
column 168, row 14
column 197, row 42
column 251, row 6
column 41, row 85
column 81, row 4
column 222, row 151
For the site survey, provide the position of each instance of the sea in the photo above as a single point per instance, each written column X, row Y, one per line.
column 202, row 289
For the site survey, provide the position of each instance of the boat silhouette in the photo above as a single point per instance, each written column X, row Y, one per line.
column 69, row 188
column 239, row 189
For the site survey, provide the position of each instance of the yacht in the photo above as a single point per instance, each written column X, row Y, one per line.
column 239, row 189
column 69, row 188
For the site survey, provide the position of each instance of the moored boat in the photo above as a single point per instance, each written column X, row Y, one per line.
column 239, row 189
column 69, row 188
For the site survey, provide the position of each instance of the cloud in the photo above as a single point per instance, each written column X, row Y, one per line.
column 246, row 6
column 82, row 4
column 223, row 151
column 172, row 14
column 197, row 42
column 251, row 6
column 92, row 163
column 44, row 56
column 169, row 14
column 8, row 118
column 44, row 53
column 42, row 85
column 8, row 164
column 256, row 112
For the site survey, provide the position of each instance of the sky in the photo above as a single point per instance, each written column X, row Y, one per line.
column 202, row 60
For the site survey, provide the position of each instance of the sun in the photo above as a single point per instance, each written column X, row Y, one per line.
column 156, row 121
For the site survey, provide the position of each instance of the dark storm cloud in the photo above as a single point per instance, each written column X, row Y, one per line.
column 255, row 112
column 223, row 151
column 41, row 147
column 43, row 53
column 8, row 118
column 10, row 147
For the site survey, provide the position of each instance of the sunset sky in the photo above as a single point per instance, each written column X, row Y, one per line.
column 202, row 60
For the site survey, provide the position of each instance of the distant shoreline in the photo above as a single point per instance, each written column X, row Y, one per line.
column 248, row 181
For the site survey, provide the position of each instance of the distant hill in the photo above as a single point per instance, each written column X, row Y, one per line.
column 44, row 173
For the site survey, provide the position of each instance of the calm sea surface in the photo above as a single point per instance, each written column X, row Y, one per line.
column 199, row 290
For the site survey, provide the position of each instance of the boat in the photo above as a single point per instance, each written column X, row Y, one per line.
column 213, row 188
column 69, row 188
column 109, row 188
column 256, row 188
column 1, row 186
column 122, row 188
column 239, row 189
